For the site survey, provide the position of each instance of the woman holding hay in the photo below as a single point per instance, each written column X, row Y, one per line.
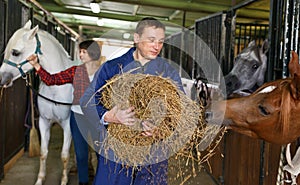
column 80, row 76
column 143, row 58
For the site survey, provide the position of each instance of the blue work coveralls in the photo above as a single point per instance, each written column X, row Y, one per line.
column 109, row 172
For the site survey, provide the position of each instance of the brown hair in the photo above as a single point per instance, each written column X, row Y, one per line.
column 92, row 48
column 148, row 22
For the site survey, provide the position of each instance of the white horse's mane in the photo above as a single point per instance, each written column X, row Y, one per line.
column 43, row 33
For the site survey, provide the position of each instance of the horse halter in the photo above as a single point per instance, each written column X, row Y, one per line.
column 19, row 65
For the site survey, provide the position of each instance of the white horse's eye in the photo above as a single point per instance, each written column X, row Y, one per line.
column 15, row 52
column 255, row 66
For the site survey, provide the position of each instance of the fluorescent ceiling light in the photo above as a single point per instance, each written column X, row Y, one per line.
column 78, row 8
column 100, row 22
column 85, row 18
column 126, row 35
column 95, row 7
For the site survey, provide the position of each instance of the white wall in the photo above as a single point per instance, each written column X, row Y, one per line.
column 111, row 52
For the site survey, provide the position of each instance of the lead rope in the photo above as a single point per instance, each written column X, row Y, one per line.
column 280, row 174
column 48, row 99
column 1, row 93
column 28, row 84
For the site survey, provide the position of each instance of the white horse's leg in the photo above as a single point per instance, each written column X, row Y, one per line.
column 65, row 153
column 44, row 126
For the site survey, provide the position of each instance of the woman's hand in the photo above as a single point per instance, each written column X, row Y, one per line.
column 33, row 60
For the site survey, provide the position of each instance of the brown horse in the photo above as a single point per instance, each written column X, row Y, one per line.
column 271, row 113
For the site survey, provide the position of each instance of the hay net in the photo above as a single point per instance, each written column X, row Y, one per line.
column 179, row 122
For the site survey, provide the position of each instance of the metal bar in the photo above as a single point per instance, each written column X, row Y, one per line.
column 178, row 5
column 297, row 26
column 262, row 163
column 275, row 27
column 287, row 38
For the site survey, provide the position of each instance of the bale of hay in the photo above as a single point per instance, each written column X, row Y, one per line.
column 178, row 120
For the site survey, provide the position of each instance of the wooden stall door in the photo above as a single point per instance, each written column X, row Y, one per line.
column 13, row 101
column 3, row 7
column 241, row 160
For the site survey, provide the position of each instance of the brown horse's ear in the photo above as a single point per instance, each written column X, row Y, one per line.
column 294, row 66
column 295, row 86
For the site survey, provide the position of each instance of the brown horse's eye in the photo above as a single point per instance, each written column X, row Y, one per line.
column 263, row 110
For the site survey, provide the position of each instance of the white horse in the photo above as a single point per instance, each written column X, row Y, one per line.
column 53, row 58
column 245, row 77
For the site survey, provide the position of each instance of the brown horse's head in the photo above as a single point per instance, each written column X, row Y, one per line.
column 271, row 113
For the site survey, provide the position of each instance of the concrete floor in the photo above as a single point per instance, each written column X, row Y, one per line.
column 25, row 170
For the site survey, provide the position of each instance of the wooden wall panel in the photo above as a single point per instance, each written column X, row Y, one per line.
column 241, row 160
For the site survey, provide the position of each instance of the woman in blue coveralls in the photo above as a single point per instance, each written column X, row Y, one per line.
column 148, row 38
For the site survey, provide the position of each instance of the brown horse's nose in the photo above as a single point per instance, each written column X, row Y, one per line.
column 215, row 113
column 208, row 115
column 212, row 118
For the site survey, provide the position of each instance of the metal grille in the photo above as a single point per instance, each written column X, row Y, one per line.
column 245, row 33
column 188, row 61
column 38, row 21
column 209, row 43
column 179, row 50
column 14, row 14
column 284, row 33
column 3, row 6
column 61, row 37
column 51, row 28
column 175, row 44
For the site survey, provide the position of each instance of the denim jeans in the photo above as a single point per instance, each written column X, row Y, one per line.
column 81, row 146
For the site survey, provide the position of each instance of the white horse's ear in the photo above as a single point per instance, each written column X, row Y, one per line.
column 252, row 43
column 265, row 46
column 31, row 34
column 27, row 25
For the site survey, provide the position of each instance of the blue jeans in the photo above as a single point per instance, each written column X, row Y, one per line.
column 81, row 146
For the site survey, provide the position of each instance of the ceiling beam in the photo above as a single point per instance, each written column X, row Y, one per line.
column 177, row 5
column 204, row 8
column 209, row 8
column 93, row 26
column 57, row 20
column 108, row 15
column 52, row 8
column 242, row 13
column 174, row 14
column 135, row 9
column 59, row 3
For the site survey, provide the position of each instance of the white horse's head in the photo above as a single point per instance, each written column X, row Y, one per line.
column 248, row 70
column 22, row 44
